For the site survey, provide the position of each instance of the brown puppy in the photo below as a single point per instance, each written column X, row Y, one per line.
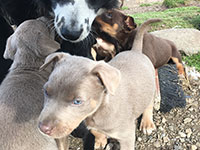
column 110, row 97
column 115, row 26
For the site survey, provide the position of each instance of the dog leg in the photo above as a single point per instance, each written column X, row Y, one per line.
column 181, row 71
column 180, row 67
column 62, row 143
column 100, row 139
column 147, row 124
column 157, row 96
column 128, row 143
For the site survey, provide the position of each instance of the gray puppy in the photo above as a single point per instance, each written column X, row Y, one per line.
column 21, row 95
column 110, row 97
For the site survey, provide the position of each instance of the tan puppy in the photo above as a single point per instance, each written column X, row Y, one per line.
column 21, row 95
column 110, row 97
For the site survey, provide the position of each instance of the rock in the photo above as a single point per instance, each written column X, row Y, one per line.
column 182, row 134
column 189, row 132
column 163, row 120
column 157, row 144
column 193, row 147
column 166, row 139
column 185, row 39
column 139, row 139
column 187, row 120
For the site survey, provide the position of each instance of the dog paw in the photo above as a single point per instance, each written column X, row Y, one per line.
column 112, row 144
column 147, row 126
column 100, row 144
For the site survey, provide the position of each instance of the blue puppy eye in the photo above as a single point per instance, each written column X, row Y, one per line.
column 77, row 102
column 45, row 92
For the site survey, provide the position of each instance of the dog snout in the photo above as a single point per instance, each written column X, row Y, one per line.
column 71, row 34
column 46, row 128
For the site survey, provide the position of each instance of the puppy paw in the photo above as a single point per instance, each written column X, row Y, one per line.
column 100, row 143
column 147, row 125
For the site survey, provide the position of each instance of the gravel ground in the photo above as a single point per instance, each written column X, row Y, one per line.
column 178, row 129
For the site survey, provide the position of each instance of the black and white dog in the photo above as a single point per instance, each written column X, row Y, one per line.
column 72, row 21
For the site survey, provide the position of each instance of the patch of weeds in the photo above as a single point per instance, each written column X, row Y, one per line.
column 145, row 5
column 174, row 3
column 193, row 60
column 150, row 4
column 195, row 21
column 181, row 17
column 124, row 8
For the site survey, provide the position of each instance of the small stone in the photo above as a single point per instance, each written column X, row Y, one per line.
column 139, row 139
column 171, row 128
column 182, row 140
column 157, row 144
column 198, row 144
column 189, row 132
column 176, row 147
column 193, row 147
column 166, row 139
column 161, row 128
column 163, row 120
column 191, row 109
column 182, row 134
column 187, row 120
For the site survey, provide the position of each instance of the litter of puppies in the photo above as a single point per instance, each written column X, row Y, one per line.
column 107, row 96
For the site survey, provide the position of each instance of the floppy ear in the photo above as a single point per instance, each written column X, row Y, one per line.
column 109, row 76
column 130, row 23
column 52, row 58
column 11, row 48
column 47, row 44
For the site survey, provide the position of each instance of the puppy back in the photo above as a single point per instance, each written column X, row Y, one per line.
column 138, row 41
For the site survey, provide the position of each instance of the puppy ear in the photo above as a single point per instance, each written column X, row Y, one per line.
column 11, row 49
column 130, row 23
column 52, row 58
column 48, row 45
column 109, row 76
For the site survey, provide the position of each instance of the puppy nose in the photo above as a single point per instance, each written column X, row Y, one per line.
column 70, row 34
column 45, row 128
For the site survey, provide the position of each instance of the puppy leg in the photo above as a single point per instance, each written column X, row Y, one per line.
column 180, row 67
column 62, row 143
column 128, row 143
column 100, row 139
column 147, row 124
column 157, row 97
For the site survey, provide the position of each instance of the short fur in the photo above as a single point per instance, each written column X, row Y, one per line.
column 75, row 19
column 121, row 29
column 21, row 95
column 100, row 93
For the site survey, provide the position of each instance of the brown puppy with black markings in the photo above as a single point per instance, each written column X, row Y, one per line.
column 115, row 26
column 108, row 96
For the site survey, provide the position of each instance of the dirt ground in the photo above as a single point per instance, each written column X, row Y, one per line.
column 178, row 129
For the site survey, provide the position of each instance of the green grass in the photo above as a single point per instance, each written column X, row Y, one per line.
column 145, row 5
column 182, row 17
column 124, row 8
column 193, row 60
column 174, row 3
column 149, row 4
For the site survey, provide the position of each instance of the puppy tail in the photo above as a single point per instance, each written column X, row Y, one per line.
column 138, row 41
